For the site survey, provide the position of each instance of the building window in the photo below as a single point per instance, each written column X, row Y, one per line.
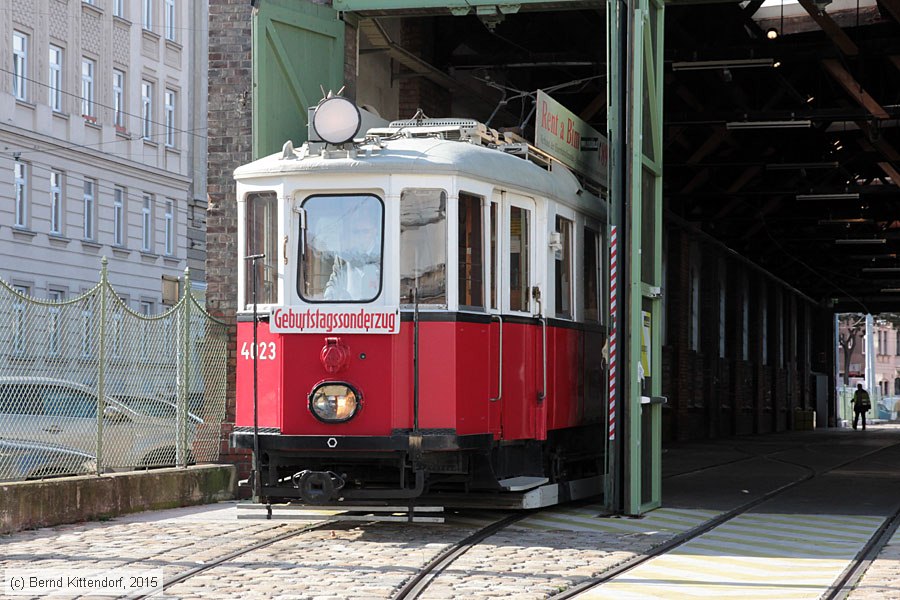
column 119, row 98
column 18, row 341
column 89, row 217
column 54, row 85
column 119, row 8
column 146, row 109
column 764, row 325
column 148, row 308
column 170, row 118
column 147, row 224
column 695, row 308
column 170, row 227
column 170, row 20
column 563, row 268
column 119, row 216
column 722, row 308
column 20, row 170
column 91, row 2
column 54, row 295
column 745, row 319
column 87, row 87
column 147, row 14
column 20, row 65
column 56, row 202
column 87, row 331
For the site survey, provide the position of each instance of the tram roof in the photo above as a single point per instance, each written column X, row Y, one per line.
column 432, row 156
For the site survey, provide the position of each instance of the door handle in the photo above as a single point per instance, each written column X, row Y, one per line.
column 52, row 429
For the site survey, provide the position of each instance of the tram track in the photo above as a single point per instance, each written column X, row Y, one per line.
column 183, row 576
column 855, row 570
column 415, row 586
column 838, row 590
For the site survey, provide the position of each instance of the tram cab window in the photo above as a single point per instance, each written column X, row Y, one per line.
column 563, row 268
column 261, row 220
column 591, row 275
column 423, row 246
column 519, row 265
column 341, row 248
column 470, row 252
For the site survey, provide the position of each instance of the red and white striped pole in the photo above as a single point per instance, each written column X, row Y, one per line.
column 613, row 309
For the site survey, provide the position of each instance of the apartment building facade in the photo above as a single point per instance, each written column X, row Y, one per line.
column 103, row 145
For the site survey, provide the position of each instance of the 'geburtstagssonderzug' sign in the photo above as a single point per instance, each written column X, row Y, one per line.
column 560, row 133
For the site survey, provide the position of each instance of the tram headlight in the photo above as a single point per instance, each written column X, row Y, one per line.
column 333, row 402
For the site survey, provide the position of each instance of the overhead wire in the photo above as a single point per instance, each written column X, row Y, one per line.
column 106, row 106
column 70, row 179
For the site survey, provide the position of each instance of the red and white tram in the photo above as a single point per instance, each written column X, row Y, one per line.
column 430, row 315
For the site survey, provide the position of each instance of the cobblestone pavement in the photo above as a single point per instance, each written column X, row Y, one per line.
column 882, row 580
column 535, row 558
column 532, row 560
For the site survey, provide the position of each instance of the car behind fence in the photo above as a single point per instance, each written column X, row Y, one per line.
column 87, row 385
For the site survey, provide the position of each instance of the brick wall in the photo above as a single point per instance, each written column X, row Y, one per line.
column 711, row 396
column 230, row 120
column 418, row 92
column 230, row 145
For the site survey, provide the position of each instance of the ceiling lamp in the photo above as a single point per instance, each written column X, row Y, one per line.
column 850, row 196
column 843, row 221
column 807, row 165
column 860, row 241
column 793, row 124
column 706, row 65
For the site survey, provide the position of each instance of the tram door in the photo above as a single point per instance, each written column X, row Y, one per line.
column 521, row 368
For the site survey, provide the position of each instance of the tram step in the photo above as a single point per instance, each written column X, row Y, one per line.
column 306, row 512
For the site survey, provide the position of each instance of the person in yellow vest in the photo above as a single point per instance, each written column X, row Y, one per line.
column 861, row 404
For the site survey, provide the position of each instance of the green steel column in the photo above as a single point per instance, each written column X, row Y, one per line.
column 635, row 63
column 611, row 487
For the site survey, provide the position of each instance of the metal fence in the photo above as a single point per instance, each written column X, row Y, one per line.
column 88, row 385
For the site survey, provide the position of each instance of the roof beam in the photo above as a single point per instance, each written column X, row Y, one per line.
column 891, row 172
column 852, row 87
column 709, row 146
column 831, row 29
column 893, row 7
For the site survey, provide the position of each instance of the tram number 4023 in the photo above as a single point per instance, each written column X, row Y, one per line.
column 266, row 350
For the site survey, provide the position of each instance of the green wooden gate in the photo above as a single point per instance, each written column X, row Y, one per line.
column 298, row 47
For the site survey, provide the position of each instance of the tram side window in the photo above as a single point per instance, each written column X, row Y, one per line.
column 591, row 289
column 341, row 248
column 470, row 252
column 519, row 250
column 261, row 220
column 563, row 268
column 423, row 246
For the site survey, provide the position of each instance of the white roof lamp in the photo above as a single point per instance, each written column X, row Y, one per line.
column 337, row 120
